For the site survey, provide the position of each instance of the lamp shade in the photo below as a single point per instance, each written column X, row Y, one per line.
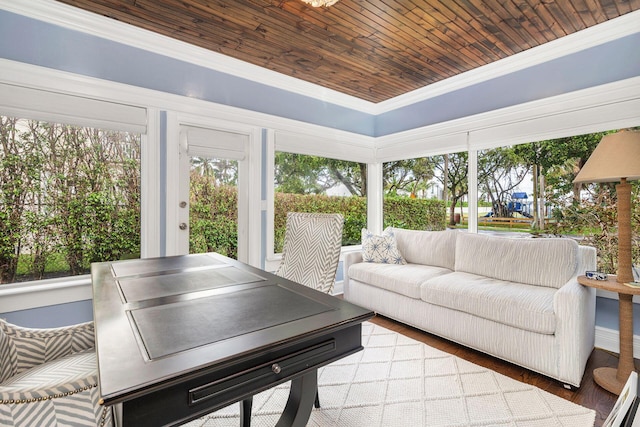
column 616, row 156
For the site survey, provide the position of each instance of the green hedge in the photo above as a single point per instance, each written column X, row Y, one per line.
column 211, row 231
column 107, row 230
column 213, row 217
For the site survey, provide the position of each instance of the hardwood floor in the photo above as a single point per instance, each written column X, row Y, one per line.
column 589, row 394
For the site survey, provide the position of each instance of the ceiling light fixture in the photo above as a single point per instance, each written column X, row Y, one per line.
column 320, row 3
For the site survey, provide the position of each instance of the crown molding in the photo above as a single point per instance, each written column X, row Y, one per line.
column 593, row 36
column 37, row 77
column 610, row 106
column 79, row 20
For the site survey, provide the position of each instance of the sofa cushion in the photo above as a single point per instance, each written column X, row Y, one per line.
column 516, row 304
column 402, row 279
column 436, row 248
column 382, row 248
column 541, row 262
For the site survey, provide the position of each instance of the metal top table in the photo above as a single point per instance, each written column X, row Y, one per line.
column 179, row 337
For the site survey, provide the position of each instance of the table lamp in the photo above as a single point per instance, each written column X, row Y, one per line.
column 617, row 158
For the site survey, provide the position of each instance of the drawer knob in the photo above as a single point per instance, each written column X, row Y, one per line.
column 276, row 368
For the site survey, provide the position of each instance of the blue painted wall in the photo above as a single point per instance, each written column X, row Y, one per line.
column 34, row 42
column 607, row 63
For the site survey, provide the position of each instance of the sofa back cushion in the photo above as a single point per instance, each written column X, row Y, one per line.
column 541, row 262
column 437, row 248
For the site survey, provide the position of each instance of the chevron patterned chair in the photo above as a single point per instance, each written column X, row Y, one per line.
column 49, row 377
column 311, row 251
column 310, row 256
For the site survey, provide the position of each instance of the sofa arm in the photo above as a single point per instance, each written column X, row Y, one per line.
column 22, row 348
column 349, row 259
column 587, row 260
column 575, row 308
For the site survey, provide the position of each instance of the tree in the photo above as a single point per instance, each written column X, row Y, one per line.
column 558, row 161
column 500, row 172
column 224, row 171
column 595, row 215
column 407, row 175
column 67, row 194
column 303, row 174
column 20, row 163
column 350, row 174
column 454, row 178
column 204, row 166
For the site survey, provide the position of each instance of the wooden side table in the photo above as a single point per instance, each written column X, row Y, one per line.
column 612, row 379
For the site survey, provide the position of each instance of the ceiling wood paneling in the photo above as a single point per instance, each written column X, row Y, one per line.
column 371, row 49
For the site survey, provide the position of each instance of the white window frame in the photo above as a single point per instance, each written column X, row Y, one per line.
column 310, row 145
column 56, row 85
column 615, row 105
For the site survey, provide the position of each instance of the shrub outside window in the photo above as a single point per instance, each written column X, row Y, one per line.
column 69, row 196
column 310, row 184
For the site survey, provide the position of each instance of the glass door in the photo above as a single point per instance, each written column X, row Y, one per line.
column 212, row 217
column 213, row 206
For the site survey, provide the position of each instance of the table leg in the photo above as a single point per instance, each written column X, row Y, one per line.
column 612, row 379
column 301, row 397
column 245, row 412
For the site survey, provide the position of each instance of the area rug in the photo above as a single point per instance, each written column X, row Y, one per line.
column 399, row 382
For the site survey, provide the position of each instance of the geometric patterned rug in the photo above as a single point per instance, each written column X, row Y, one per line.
column 399, row 382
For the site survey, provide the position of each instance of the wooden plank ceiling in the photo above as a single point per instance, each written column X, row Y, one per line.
column 371, row 49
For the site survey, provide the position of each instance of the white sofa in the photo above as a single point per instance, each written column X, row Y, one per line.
column 514, row 298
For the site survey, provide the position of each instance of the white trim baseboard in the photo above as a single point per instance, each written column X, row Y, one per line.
column 608, row 339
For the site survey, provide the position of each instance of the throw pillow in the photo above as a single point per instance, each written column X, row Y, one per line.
column 381, row 249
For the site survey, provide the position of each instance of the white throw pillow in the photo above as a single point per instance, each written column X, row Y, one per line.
column 381, row 249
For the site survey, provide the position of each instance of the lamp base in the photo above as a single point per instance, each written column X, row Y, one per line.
column 623, row 191
column 607, row 378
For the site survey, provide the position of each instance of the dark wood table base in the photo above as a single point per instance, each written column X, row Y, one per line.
column 302, row 395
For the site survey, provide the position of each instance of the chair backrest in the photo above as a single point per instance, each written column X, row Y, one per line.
column 311, row 251
column 22, row 348
column 7, row 368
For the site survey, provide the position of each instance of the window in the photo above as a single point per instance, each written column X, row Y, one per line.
column 412, row 196
column 69, row 196
column 305, row 183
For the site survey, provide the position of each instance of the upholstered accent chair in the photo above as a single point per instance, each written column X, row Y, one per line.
column 311, row 251
column 49, row 377
column 310, row 256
